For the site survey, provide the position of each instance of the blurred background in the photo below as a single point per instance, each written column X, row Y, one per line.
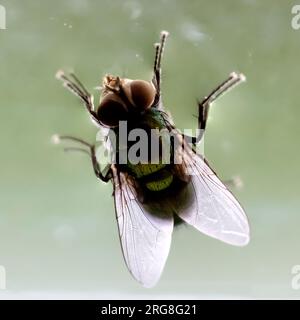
column 58, row 234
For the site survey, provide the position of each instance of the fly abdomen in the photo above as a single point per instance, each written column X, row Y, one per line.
column 160, row 183
column 155, row 177
column 141, row 170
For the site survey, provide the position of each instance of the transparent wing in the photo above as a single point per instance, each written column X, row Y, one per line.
column 145, row 237
column 212, row 208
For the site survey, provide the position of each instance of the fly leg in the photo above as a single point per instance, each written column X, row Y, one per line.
column 203, row 106
column 72, row 83
column 104, row 175
column 156, row 80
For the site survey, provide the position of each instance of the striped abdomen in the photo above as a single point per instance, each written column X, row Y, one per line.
column 155, row 177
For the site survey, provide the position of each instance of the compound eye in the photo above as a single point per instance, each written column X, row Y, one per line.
column 111, row 111
column 142, row 93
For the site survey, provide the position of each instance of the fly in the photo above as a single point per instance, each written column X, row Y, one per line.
column 150, row 196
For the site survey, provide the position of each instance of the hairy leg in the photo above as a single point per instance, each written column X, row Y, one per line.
column 72, row 83
column 156, row 80
column 203, row 106
column 105, row 177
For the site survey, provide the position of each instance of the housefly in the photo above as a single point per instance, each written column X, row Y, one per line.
column 150, row 197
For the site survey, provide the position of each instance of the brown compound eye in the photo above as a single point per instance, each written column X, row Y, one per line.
column 142, row 93
column 111, row 110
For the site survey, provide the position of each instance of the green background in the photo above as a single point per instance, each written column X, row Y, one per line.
column 58, row 234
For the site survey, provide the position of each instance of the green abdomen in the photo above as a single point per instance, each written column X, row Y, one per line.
column 155, row 177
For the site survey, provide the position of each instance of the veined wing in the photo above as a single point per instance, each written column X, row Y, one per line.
column 145, row 237
column 212, row 209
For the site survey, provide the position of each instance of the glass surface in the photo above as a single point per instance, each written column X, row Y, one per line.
column 58, row 232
